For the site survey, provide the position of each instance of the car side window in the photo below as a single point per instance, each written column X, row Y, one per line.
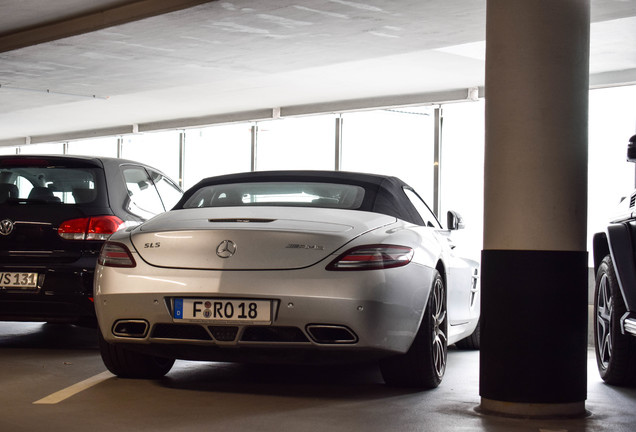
column 169, row 192
column 425, row 213
column 144, row 200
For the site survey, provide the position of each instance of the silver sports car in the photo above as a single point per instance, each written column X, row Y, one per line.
column 289, row 266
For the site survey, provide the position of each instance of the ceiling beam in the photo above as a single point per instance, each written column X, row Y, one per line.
column 613, row 79
column 434, row 98
column 216, row 119
column 431, row 98
column 93, row 21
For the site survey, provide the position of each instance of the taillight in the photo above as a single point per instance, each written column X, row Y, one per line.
column 115, row 254
column 90, row 228
column 372, row 257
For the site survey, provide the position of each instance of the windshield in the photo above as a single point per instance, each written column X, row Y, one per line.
column 49, row 184
column 310, row 194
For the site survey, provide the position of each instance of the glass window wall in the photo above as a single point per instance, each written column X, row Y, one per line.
column 52, row 148
column 159, row 150
column 305, row 143
column 392, row 142
column 106, row 147
column 216, row 150
column 8, row 150
column 395, row 142
column 462, row 172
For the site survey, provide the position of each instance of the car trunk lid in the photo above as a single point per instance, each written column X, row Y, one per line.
column 37, row 195
column 250, row 238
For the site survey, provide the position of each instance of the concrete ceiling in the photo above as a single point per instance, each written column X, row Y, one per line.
column 79, row 68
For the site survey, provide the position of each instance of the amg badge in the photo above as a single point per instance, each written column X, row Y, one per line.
column 304, row 246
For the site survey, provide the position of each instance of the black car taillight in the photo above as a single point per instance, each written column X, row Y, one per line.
column 90, row 228
column 115, row 254
column 372, row 257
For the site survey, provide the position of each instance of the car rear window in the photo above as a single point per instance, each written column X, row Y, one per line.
column 296, row 194
column 35, row 181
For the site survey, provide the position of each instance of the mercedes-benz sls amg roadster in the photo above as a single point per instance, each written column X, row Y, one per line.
column 289, row 266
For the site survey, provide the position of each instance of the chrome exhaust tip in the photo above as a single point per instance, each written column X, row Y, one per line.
column 130, row 328
column 331, row 334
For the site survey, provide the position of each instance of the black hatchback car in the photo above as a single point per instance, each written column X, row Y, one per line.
column 55, row 213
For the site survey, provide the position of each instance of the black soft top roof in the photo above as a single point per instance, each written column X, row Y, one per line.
column 383, row 194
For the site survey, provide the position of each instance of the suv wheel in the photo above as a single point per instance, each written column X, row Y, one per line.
column 615, row 351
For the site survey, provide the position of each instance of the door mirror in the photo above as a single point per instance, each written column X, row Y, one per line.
column 631, row 149
column 454, row 220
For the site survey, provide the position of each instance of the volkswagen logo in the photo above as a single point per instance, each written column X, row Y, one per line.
column 226, row 249
column 6, row 227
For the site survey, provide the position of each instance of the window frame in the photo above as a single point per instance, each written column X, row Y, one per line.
column 420, row 206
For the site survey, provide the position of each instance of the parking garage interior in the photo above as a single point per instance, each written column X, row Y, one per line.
column 202, row 88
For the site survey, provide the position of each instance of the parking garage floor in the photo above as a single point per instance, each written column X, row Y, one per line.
column 53, row 380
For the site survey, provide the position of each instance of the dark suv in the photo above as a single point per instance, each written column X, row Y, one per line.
column 55, row 213
column 615, row 292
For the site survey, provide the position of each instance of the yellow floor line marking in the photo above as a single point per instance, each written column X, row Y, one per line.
column 74, row 389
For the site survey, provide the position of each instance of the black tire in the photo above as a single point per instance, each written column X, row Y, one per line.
column 615, row 351
column 130, row 364
column 424, row 364
column 472, row 342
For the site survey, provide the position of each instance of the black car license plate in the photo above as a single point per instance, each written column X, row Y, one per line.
column 25, row 281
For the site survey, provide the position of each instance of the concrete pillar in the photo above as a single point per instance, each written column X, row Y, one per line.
column 534, row 263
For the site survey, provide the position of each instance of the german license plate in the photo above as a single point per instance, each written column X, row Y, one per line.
column 223, row 310
column 18, row 280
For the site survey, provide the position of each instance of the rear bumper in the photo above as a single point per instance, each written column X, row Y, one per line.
column 75, row 310
column 316, row 315
column 64, row 295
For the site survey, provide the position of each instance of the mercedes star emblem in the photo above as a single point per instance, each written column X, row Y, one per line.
column 226, row 249
column 6, row 227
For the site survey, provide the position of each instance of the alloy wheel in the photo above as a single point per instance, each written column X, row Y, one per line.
column 438, row 308
column 604, row 312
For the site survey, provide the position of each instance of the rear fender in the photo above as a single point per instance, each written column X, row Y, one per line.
column 600, row 249
column 622, row 248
